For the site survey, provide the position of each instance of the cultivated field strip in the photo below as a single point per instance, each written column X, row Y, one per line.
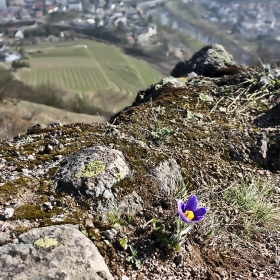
column 125, row 81
column 107, row 53
column 148, row 73
column 77, row 79
column 79, row 51
column 99, row 73
column 61, row 62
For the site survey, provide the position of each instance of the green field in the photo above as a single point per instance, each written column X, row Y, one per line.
column 100, row 73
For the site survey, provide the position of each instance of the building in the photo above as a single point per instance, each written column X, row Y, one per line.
column 19, row 34
column 51, row 9
column 64, row 3
column 12, row 56
column 75, row 6
column 3, row 4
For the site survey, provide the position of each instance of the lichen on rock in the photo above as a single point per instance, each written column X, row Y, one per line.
column 46, row 242
column 92, row 169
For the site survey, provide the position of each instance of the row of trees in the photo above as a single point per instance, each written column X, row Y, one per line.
column 19, row 64
column 47, row 94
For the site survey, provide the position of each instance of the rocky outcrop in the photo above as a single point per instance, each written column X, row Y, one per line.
column 210, row 61
column 207, row 132
column 55, row 252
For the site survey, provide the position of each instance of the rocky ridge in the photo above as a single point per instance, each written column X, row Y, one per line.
column 212, row 135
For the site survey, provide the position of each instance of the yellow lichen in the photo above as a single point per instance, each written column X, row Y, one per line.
column 46, row 242
column 92, row 169
column 120, row 176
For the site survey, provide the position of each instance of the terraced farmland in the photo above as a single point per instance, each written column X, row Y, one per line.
column 98, row 72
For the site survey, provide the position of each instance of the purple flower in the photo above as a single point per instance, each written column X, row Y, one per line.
column 188, row 211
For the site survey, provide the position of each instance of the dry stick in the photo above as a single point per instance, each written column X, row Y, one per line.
column 213, row 109
column 276, row 252
column 257, row 98
column 233, row 102
column 254, row 94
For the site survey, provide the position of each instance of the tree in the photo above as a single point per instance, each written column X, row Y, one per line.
column 27, row 34
column 48, row 30
column 19, row 64
column 107, row 2
column 120, row 27
column 97, row 20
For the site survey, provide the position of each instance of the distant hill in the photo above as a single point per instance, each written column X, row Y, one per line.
column 16, row 119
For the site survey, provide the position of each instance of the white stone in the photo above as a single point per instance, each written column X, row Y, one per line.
column 9, row 212
column 110, row 233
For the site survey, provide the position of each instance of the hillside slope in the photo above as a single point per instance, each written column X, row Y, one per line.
column 16, row 119
column 215, row 136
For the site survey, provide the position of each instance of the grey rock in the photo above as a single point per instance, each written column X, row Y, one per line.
column 110, row 233
column 168, row 177
column 264, row 81
column 56, row 252
column 4, row 239
column 130, row 205
column 210, row 61
column 47, row 205
column 54, row 125
column 54, row 142
column 48, row 148
column 153, row 91
column 92, row 171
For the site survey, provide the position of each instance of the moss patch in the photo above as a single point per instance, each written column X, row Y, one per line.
column 11, row 189
column 29, row 212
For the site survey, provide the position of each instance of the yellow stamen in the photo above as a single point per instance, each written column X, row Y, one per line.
column 189, row 214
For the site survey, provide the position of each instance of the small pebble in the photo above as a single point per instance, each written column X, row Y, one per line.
column 47, row 206
column 110, row 233
column 30, row 157
column 9, row 212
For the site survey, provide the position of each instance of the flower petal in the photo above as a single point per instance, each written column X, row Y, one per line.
column 181, row 207
column 191, row 204
column 200, row 212
column 180, row 204
column 185, row 219
column 198, row 218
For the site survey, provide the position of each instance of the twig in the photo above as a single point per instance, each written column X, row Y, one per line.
column 216, row 105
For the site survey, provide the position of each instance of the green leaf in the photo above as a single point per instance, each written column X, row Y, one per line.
column 129, row 259
column 205, row 97
column 123, row 243
column 137, row 263
column 133, row 251
column 117, row 226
